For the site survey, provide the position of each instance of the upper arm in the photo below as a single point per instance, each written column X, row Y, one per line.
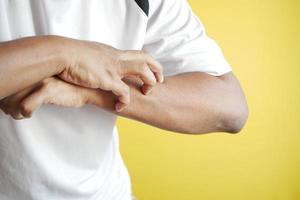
column 176, row 38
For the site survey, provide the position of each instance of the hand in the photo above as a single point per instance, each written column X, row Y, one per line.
column 49, row 91
column 96, row 65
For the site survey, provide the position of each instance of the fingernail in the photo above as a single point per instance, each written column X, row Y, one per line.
column 148, row 92
column 119, row 107
column 162, row 79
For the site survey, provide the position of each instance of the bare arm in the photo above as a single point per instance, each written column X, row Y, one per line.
column 24, row 62
column 192, row 103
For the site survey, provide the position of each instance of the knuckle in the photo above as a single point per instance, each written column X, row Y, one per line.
column 25, row 110
column 144, row 67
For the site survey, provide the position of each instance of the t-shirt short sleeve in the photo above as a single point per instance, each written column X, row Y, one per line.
column 177, row 39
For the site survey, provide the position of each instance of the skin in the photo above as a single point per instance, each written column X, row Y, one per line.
column 26, row 61
column 215, row 104
column 65, row 72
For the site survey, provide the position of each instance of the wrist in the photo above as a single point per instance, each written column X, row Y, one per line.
column 64, row 50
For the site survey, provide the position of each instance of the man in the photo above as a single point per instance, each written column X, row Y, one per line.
column 68, row 68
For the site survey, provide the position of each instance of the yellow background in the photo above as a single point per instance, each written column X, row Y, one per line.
column 261, row 41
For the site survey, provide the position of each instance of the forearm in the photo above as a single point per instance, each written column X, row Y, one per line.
column 26, row 61
column 189, row 103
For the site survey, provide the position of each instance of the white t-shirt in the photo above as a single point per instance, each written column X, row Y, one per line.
column 69, row 153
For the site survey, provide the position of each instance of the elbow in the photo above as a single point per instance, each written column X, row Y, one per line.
column 235, row 114
column 237, row 124
column 235, row 121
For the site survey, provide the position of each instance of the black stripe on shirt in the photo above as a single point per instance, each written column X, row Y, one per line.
column 144, row 5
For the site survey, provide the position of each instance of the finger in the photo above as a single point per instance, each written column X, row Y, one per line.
column 154, row 65
column 145, row 75
column 148, row 79
column 17, row 116
column 121, row 90
column 10, row 107
column 18, row 97
column 14, row 112
column 119, row 107
column 147, row 89
column 32, row 103
column 142, row 71
column 11, row 110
